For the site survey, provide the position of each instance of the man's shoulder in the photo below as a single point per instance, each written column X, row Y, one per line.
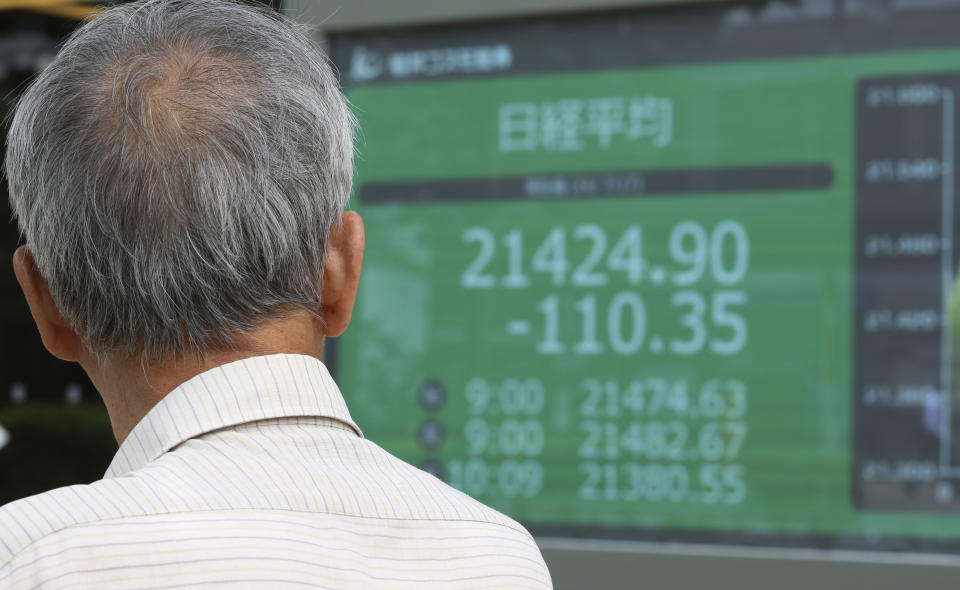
column 459, row 507
column 381, row 489
column 455, row 515
column 112, row 518
column 430, row 498
column 25, row 521
column 36, row 532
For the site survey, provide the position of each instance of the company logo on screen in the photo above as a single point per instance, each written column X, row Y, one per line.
column 367, row 65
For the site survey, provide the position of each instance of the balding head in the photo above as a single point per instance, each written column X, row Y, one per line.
column 176, row 171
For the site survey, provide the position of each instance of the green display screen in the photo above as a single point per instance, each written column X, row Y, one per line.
column 675, row 274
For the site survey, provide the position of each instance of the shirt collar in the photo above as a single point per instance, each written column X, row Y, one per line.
column 248, row 390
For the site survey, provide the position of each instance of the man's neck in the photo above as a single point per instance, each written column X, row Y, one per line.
column 130, row 388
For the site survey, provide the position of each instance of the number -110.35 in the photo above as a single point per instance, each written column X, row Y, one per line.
column 711, row 323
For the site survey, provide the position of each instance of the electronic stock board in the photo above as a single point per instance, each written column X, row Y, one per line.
column 681, row 274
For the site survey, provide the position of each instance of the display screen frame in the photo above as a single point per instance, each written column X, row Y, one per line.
column 821, row 36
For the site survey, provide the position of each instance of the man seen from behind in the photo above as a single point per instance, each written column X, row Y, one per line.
column 180, row 174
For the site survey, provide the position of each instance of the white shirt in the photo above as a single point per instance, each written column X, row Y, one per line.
column 253, row 475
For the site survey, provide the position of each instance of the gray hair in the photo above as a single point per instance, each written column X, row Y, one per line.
column 175, row 172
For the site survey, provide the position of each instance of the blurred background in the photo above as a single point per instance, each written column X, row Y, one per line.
column 672, row 283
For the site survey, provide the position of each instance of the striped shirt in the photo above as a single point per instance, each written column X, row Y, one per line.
column 253, row 475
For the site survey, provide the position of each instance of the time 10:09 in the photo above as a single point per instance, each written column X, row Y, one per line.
column 724, row 251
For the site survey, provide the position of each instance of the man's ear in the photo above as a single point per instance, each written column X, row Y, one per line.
column 58, row 337
column 341, row 274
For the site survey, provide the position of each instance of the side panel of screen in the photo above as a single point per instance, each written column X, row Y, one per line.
column 675, row 274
